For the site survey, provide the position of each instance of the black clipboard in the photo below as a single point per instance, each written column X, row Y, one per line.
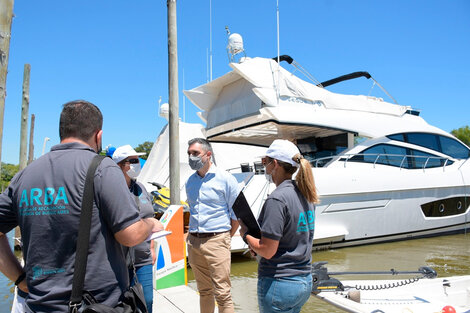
column 242, row 210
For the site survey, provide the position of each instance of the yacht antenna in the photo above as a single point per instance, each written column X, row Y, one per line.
column 277, row 17
column 278, row 54
column 207, row 65
column 184, row 101
column 210, row 37
column 159, row 103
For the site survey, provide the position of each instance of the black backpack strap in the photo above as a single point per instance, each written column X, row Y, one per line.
column 83, row 239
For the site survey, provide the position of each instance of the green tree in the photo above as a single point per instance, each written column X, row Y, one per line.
column 8, row 171
column 145, row 147
column 463, row 133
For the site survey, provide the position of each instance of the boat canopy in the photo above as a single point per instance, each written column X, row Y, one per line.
column 259, row 101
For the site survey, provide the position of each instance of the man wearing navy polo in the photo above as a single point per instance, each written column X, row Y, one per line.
column 211, row 193
column 45, row 200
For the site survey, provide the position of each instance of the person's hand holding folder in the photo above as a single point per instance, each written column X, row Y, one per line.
column 243, row 233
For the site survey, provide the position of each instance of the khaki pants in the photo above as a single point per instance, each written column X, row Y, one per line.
column 210, row 260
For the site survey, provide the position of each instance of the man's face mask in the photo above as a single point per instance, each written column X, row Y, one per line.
column 195, row 162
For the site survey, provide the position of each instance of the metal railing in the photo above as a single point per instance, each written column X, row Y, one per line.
column 406, row 161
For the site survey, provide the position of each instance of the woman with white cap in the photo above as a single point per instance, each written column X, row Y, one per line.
column 144, row 255
column 287, row 222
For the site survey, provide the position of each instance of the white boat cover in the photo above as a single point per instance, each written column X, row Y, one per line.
column 242, row 103
column 157, row 167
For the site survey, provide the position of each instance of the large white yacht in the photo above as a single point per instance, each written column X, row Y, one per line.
column 381, row 171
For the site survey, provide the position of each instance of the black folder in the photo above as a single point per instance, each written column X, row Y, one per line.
column 243, row 211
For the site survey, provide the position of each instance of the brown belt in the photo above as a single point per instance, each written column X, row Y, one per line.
column 204, row 235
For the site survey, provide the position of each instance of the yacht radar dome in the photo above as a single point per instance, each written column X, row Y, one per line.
column 235, row 45
column 164, row 111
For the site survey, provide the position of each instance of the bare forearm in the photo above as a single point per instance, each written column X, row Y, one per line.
column 9, row 264
column 263, row 247
column 138, row 232
column 152, row 251
column 234, row 228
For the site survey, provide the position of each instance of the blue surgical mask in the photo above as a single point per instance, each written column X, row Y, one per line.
column 195, row 162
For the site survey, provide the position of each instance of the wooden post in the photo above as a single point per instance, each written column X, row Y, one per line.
column 6, row 16
column 24, row 117
column 173, row 120
column 31, row 137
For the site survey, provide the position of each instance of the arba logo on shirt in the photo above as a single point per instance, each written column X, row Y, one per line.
column 48, row 196
column 306, row 221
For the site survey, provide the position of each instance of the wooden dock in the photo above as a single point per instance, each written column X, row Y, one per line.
column 176, row 300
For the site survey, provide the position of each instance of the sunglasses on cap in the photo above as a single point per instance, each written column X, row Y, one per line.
column 133, row 161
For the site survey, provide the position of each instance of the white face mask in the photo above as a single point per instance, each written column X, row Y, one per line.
column 134, row 170
column 269, row 177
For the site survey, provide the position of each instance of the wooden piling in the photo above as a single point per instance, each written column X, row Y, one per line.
column 24, row 117
column 6, row 16
column 31, row 137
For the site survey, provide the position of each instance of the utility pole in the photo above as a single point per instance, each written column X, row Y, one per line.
column 24, row 117
column 6, row 16
column 173, row 121
column 31, row 137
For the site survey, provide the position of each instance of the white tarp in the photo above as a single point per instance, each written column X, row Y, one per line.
column 227, row 156
column 157, row 167
column 248, row 96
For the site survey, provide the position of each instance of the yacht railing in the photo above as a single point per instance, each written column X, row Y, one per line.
column 404, row 160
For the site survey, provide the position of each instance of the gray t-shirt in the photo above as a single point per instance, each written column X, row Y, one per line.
column 142, row 254
column 287, row 217
column 45, row 201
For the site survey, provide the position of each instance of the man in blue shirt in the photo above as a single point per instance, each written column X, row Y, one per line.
column 211, row 193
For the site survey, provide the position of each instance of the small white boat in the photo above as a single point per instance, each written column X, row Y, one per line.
column 419, row 294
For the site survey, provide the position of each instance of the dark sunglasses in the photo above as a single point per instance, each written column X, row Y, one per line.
column 133, row 161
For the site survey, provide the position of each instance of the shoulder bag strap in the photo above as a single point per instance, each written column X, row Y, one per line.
column 83, row 239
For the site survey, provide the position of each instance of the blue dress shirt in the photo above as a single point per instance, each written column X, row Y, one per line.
column 210, row 200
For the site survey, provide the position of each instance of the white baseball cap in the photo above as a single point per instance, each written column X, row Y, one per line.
column 123, row 152
column 283, row 150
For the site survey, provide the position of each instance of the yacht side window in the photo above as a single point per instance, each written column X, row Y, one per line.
column 453, row 148
column 399, row 156
column 383, row 154
column 425, row 140
column 397, row 137
column 421, row 159
column 446, row 145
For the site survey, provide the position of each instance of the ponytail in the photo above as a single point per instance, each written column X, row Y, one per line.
column 304, row 179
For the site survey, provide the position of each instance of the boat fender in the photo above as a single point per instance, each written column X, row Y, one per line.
column 448, row 309
column 355, row 295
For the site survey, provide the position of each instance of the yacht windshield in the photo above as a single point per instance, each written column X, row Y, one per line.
column 446, row 145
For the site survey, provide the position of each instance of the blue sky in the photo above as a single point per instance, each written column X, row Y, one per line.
column 114, row 54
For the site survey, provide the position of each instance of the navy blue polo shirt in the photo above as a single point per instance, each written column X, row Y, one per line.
column 45, row 201
column 287, row 217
